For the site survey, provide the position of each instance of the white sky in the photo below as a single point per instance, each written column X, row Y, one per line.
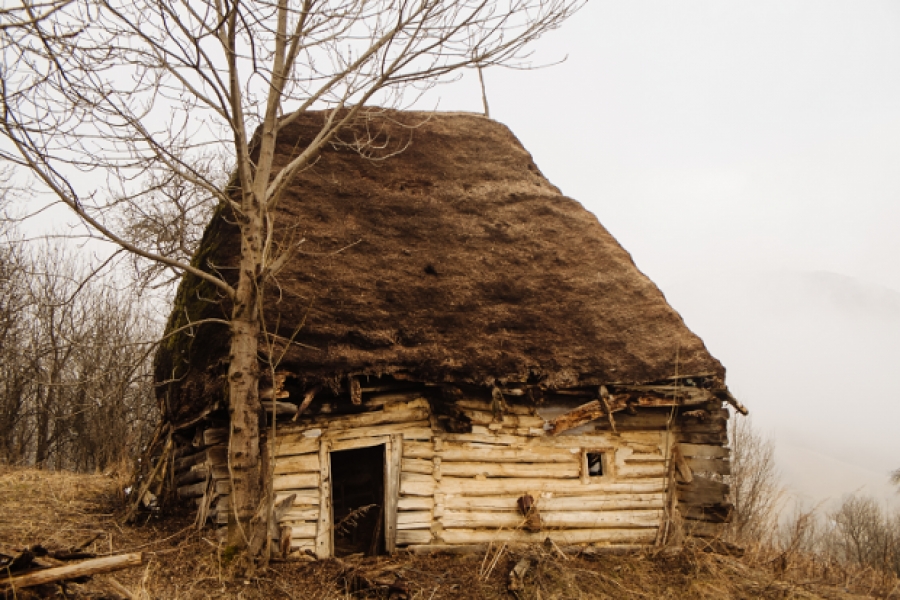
column 747, row 154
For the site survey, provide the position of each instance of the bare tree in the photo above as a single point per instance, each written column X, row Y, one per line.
column 102, row 99
column 755, row 488
column 75, row 368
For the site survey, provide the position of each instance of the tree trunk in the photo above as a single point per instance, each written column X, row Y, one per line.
column 243, row 383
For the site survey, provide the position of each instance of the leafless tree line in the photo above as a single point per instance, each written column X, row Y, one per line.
column 75, row 379
column 858, row 535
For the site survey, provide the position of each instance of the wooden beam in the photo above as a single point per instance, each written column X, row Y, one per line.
column 577, row 416
column 95, row 566
column 393, row 457
column 324, row 541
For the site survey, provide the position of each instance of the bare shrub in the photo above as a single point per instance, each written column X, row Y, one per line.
column 756, row 490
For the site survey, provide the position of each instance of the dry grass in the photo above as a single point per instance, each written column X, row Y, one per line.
column 60, row 510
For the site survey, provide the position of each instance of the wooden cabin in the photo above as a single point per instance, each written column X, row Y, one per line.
column 461, row 356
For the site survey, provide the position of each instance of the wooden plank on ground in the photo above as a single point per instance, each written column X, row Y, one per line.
column 86, row 568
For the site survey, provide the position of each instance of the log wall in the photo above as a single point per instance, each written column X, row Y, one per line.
column 463, row 488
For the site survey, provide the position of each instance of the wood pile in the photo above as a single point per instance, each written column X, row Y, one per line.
column 201, row 474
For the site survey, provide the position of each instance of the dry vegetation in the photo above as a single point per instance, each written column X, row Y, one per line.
column 62, row 509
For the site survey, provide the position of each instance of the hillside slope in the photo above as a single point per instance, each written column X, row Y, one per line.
column 62, row 510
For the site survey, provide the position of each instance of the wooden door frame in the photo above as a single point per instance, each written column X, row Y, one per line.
column 393, row 453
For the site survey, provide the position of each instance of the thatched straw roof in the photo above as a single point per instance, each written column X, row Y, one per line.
column 445, row 255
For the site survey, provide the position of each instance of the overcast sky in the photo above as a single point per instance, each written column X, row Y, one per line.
column 747, row 154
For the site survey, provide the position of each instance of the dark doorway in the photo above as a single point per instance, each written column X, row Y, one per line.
column 357, row 495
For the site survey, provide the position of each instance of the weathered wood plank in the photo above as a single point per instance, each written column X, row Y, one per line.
column 710, row 465
column 298, row 481
column 568, row 470
column 478, row 417
column 570, row 536
column 417, row 465
column 577, row 416
column 703, row 491
column 300, row 515
column 394, row 458
column 413, row 503
column 563, row 503
column 416, row 484
column 703, row 451
column 414, row 520
column 640, row 471
column 499, row 486
column 413, row 449
column 94, row 566
column 323, row 532
column 398, row 414
column 413, row 536
column 485, row 406
column 525, row 454
column 288, row 446
column 301, row 463
column 413, row 430
column 630, row 519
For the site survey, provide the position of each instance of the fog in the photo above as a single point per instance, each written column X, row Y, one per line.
column 747, row 155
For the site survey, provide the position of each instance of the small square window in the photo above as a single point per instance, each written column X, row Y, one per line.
column 594, row 464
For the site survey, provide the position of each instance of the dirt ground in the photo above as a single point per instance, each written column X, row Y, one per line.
column 63, row 510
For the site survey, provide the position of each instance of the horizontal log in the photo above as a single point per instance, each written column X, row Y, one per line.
column 301, row 463
column 643, row 458
column 564, row 536
column 194, row 490
column 478, row 417
column 702, row 491
column 301, row 515
column 396, row 415
column 214, row 437
column 216, row 455
column 413, row 503
column 303, row 530
column 640, row 471
column 483, row 438
column 415, row 484
column 499, row 486
column 719, row 438
column 527, row 454
column 710, row 465
column 414, row 520
column 703, row 451
column 293, row 445
column 485, row 406
column 563, row 503
column 413, row 430
column 413, row 536
column 297, row 481
column 358, row 442
column 306, row 497
column 627, row 519
column 94, row 566
column 569, row 470
column 194, row 474
column 417, row 465
column 414, row 449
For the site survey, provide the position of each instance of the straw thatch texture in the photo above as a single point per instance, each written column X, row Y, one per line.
column 460, row 262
